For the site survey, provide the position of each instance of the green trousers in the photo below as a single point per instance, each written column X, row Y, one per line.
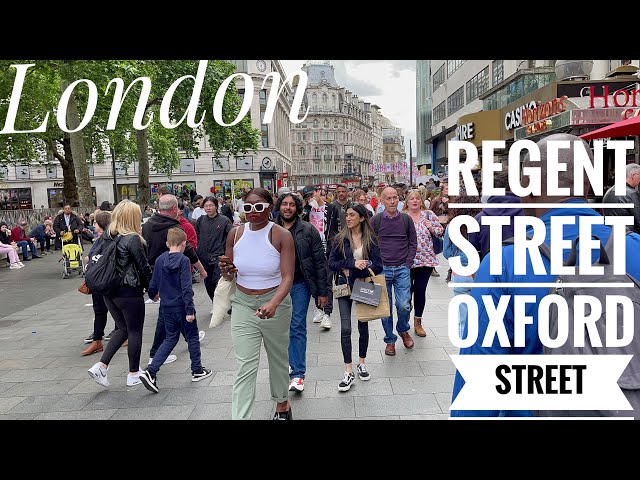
column 248, row 331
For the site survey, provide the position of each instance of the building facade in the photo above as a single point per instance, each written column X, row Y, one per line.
column 477, row 100
column 424, row 107
column 335, row 142
column 38, row 185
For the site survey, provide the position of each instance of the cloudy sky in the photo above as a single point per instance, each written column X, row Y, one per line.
column 390, row 84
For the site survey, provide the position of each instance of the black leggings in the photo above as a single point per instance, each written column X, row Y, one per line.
column 128, row 312
column 344, row 304
column 99, row 316
column 419, row 280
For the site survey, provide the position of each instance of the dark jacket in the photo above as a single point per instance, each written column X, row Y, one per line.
column 630, row 196
column 310, row 252
column 172, row 280
column 227, row 212
column 37, row 231
column 5, row 238
column 338, row 261
column 59, row 225
column 212, row 237
column 333, row 220
column 132, row 261
column 154, row 231
column 480, row 240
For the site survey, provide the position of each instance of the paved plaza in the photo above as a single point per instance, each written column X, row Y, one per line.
column 43, row 320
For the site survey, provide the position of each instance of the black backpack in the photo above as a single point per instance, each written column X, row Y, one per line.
column 103, row 273
column 629, row 381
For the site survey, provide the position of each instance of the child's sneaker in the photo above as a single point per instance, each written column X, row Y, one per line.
column 205, row 373
column 363, row 372
column 99, row 374
column 149, row 381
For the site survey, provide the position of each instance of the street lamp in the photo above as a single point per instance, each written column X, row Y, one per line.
column 115, row 181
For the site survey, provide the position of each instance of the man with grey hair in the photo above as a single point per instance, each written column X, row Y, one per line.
column 536, row 205
column 631, row 196
column 154, row 231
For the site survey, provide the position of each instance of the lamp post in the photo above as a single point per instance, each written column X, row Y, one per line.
column 115, row 181
column 410, row 165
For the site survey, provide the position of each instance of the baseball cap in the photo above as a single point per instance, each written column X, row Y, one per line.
column 283, row 190
column 308, row 189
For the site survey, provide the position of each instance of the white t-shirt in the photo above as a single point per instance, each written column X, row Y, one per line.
column 197, row 212
column 316, row 218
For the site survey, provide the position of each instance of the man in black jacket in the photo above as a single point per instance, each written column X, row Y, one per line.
column 154, row 232
column 631, row 196
column 309, row 279
column 67, row 221
column 212, row 230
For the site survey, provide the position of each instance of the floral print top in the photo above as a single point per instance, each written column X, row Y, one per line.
column 424, row 254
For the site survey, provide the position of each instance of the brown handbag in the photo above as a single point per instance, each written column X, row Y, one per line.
column 84, row 289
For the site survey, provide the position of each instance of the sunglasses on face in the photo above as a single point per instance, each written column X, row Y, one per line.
column 255, row 207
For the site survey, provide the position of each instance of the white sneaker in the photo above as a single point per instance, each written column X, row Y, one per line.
column 170, row 359
column 325, row 322
column 296, row 384
column 317, row 316
column 149, row 300
column 201, row 335
column 21, row 264
column 99, row 374
column 134, row 379
column 15, row 266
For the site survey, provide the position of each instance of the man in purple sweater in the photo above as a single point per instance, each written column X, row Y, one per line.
column 397, row 238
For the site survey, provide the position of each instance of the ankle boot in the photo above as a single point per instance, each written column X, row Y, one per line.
column 417, row 325
column 94, row 347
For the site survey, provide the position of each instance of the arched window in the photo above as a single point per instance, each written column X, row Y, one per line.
column 302, row 151
column 335, row 124
column 315, row 124
column 314, row 99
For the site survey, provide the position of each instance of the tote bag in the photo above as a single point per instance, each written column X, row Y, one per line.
column 222, row 302
column 366, row 313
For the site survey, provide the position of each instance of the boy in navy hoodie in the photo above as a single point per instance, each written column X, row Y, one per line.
column 171, row 281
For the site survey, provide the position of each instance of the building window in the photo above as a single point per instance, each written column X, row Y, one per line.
column 128, row 191
column 244, row 162
column 316, row 153
column 324, row 98
column 439, row 113
column 220, row 164
column 55, row 197
column 52, row 171
column 22, row 172
column 187, row 165
column 302, row 151
column 16, row 199
column 453, row 65
column 497, row 72
column 264, row 129
column 304, row 136
column 335, row 124
column 455, row 101
column 478, row 85
column 315, row 123
column 316, row 136
column 326, row 124
column 314, row 99
column 325, row 136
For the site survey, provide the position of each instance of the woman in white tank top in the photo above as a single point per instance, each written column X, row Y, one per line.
column 261, row 257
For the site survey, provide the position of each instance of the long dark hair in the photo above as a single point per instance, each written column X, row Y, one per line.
column 454, row 212
column 368, row 234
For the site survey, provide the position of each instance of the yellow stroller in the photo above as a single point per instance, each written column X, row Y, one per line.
column 71, row 256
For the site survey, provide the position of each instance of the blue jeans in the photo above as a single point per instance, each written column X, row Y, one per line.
column 463, row 289
column 175, row 323
column 25, row 249
column 160, row 333
column 300, row 298
column 400, row 279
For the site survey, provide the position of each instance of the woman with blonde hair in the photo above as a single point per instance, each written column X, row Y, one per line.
column 125, row 302
column 427, row 225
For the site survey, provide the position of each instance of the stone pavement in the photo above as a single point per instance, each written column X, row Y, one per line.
column 43, row 320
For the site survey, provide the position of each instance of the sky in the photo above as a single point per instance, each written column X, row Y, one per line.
column 390, row 84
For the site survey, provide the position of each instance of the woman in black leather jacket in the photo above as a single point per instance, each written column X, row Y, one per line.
column 126, row 303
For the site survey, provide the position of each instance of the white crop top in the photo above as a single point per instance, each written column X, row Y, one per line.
column 256, row 259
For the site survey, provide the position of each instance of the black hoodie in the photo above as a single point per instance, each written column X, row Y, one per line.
column 154, row 231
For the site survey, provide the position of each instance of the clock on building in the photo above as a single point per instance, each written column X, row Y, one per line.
column 261, row 65
column 267, row 163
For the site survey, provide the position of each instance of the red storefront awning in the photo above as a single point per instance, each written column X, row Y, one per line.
column 630, row 126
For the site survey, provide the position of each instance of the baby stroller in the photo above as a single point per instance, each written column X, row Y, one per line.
column 71, row 256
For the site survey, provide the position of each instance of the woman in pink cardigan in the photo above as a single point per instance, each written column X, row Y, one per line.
column 9, row 247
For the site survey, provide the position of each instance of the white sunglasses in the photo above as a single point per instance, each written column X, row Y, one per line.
column 255, row 207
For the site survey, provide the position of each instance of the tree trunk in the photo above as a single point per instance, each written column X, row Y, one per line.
column 144, row 190
column 69, row 186
column 79, row 154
